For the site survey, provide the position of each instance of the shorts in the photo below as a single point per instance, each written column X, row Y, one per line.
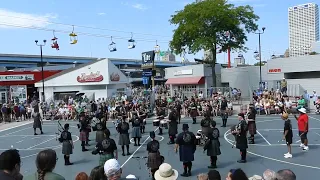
column 303, row 136
column 288, row 140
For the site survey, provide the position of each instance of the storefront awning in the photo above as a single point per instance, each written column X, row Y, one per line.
column 186, row 80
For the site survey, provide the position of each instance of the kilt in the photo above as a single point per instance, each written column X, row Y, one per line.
column 66, row 148
column 186, row 153
column 105, row 157
column 99, row 136
column 252, row 127
column 136, row 133
column 214, row 148
column 37, row 123
column 193, row 113
column 154, row 160
column 83, row 136
column 124, row 139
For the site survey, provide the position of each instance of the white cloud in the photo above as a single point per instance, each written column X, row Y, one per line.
column 136, row 6
column 101, row 14
column 139, row 6
column 8, row 17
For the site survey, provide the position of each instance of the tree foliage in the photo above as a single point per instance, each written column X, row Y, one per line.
column 203, row 26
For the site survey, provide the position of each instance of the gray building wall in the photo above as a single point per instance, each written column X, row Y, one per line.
column 296, row 64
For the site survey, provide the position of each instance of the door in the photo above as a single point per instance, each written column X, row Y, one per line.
column 3, row 97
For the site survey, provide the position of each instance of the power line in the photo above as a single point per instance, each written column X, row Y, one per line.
column 86, row 27
column 81, row 33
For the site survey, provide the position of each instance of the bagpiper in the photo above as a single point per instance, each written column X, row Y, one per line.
column 142, row 115
column 252, row 128
column 67, row 144
column 241, row 137
column 154, row 157
column 212, row 145
column 206, row 124
column 37, row 122
column 173, row 125
column 186, row 142
column 136, row 133
column 107, row 148
column 123, row 129
column 83, row 128
column 193, row 111
column 100, row 127
column 178, row 108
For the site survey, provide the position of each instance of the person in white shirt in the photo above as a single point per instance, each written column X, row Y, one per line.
column 287, row 105
column 314, row 97
column 200, row 95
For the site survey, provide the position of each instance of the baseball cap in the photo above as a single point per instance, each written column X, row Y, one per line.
column 111, row 167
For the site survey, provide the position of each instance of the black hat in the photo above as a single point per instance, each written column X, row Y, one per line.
column 152, row 134
column 66, row 126
column 185, row 126
column 213, row 174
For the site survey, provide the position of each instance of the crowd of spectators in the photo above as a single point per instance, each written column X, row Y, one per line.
column 10, row 164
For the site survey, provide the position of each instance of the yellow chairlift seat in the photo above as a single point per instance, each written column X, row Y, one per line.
column 73, row 38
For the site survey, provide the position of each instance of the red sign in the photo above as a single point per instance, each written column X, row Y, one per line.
column 274, row 70
column 92, row 77
column 114, row 77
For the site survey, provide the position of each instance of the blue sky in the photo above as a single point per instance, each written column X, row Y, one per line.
column 138, row 16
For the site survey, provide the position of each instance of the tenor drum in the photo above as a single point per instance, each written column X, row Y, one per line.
column 156, row 122
column 164, row 124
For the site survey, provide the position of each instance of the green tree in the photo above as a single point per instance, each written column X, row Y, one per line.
column 203, row 26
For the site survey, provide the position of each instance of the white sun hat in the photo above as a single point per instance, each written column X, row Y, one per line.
column 302, row 110
column 255, row 177
column 165, row 172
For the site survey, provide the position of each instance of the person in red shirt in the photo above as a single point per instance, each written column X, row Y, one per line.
column 303, row 127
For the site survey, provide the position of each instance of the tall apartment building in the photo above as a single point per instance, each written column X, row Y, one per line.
column 303, row 28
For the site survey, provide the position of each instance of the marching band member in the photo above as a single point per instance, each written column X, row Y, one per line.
column 224, row 117
column 206, row 124
column 251, row 116
column 37, row 122
column 178, row 111
column 123, row 129
column 193, row 111
column 67, row 144
column 173, row 125
column 99, row 128
column 83, row 127
column 136, row 133
column 241, row 137
column 213, row 146
column 154, row 157
column 186, row 142
column 106, row 148
column 142, row 115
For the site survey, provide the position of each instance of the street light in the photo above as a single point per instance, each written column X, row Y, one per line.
column 42, row 73
column 259, row 32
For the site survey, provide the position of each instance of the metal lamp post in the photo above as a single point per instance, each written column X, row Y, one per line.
column 42, row 72
column 259, row 32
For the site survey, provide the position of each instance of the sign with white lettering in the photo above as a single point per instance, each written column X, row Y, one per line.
column 147, row 59
column 17, row 77
column 183, row 72
column 92, row 77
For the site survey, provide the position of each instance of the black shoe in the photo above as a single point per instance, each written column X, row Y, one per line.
column 35, row 134
column 84, row 150
column 222, row 125
column 189, row 173
column 159, row 133
column 135, row 145
column 251, row 142
column 139, row 144
column 128, row 154
column 123, row 154
column 185, row 175
column 241, row 161
column 41, row 132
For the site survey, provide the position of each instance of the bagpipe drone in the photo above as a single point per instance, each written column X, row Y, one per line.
column 60, row 130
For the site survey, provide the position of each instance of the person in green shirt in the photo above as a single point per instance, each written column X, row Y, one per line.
column 301, row 103
column 46, row 162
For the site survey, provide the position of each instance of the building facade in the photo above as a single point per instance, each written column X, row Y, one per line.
column 303, row 28
column 192, row 78
column 98, row 79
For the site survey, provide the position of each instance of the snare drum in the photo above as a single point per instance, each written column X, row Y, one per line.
column 156, row 123
column 164, row 124
column 198, row 140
